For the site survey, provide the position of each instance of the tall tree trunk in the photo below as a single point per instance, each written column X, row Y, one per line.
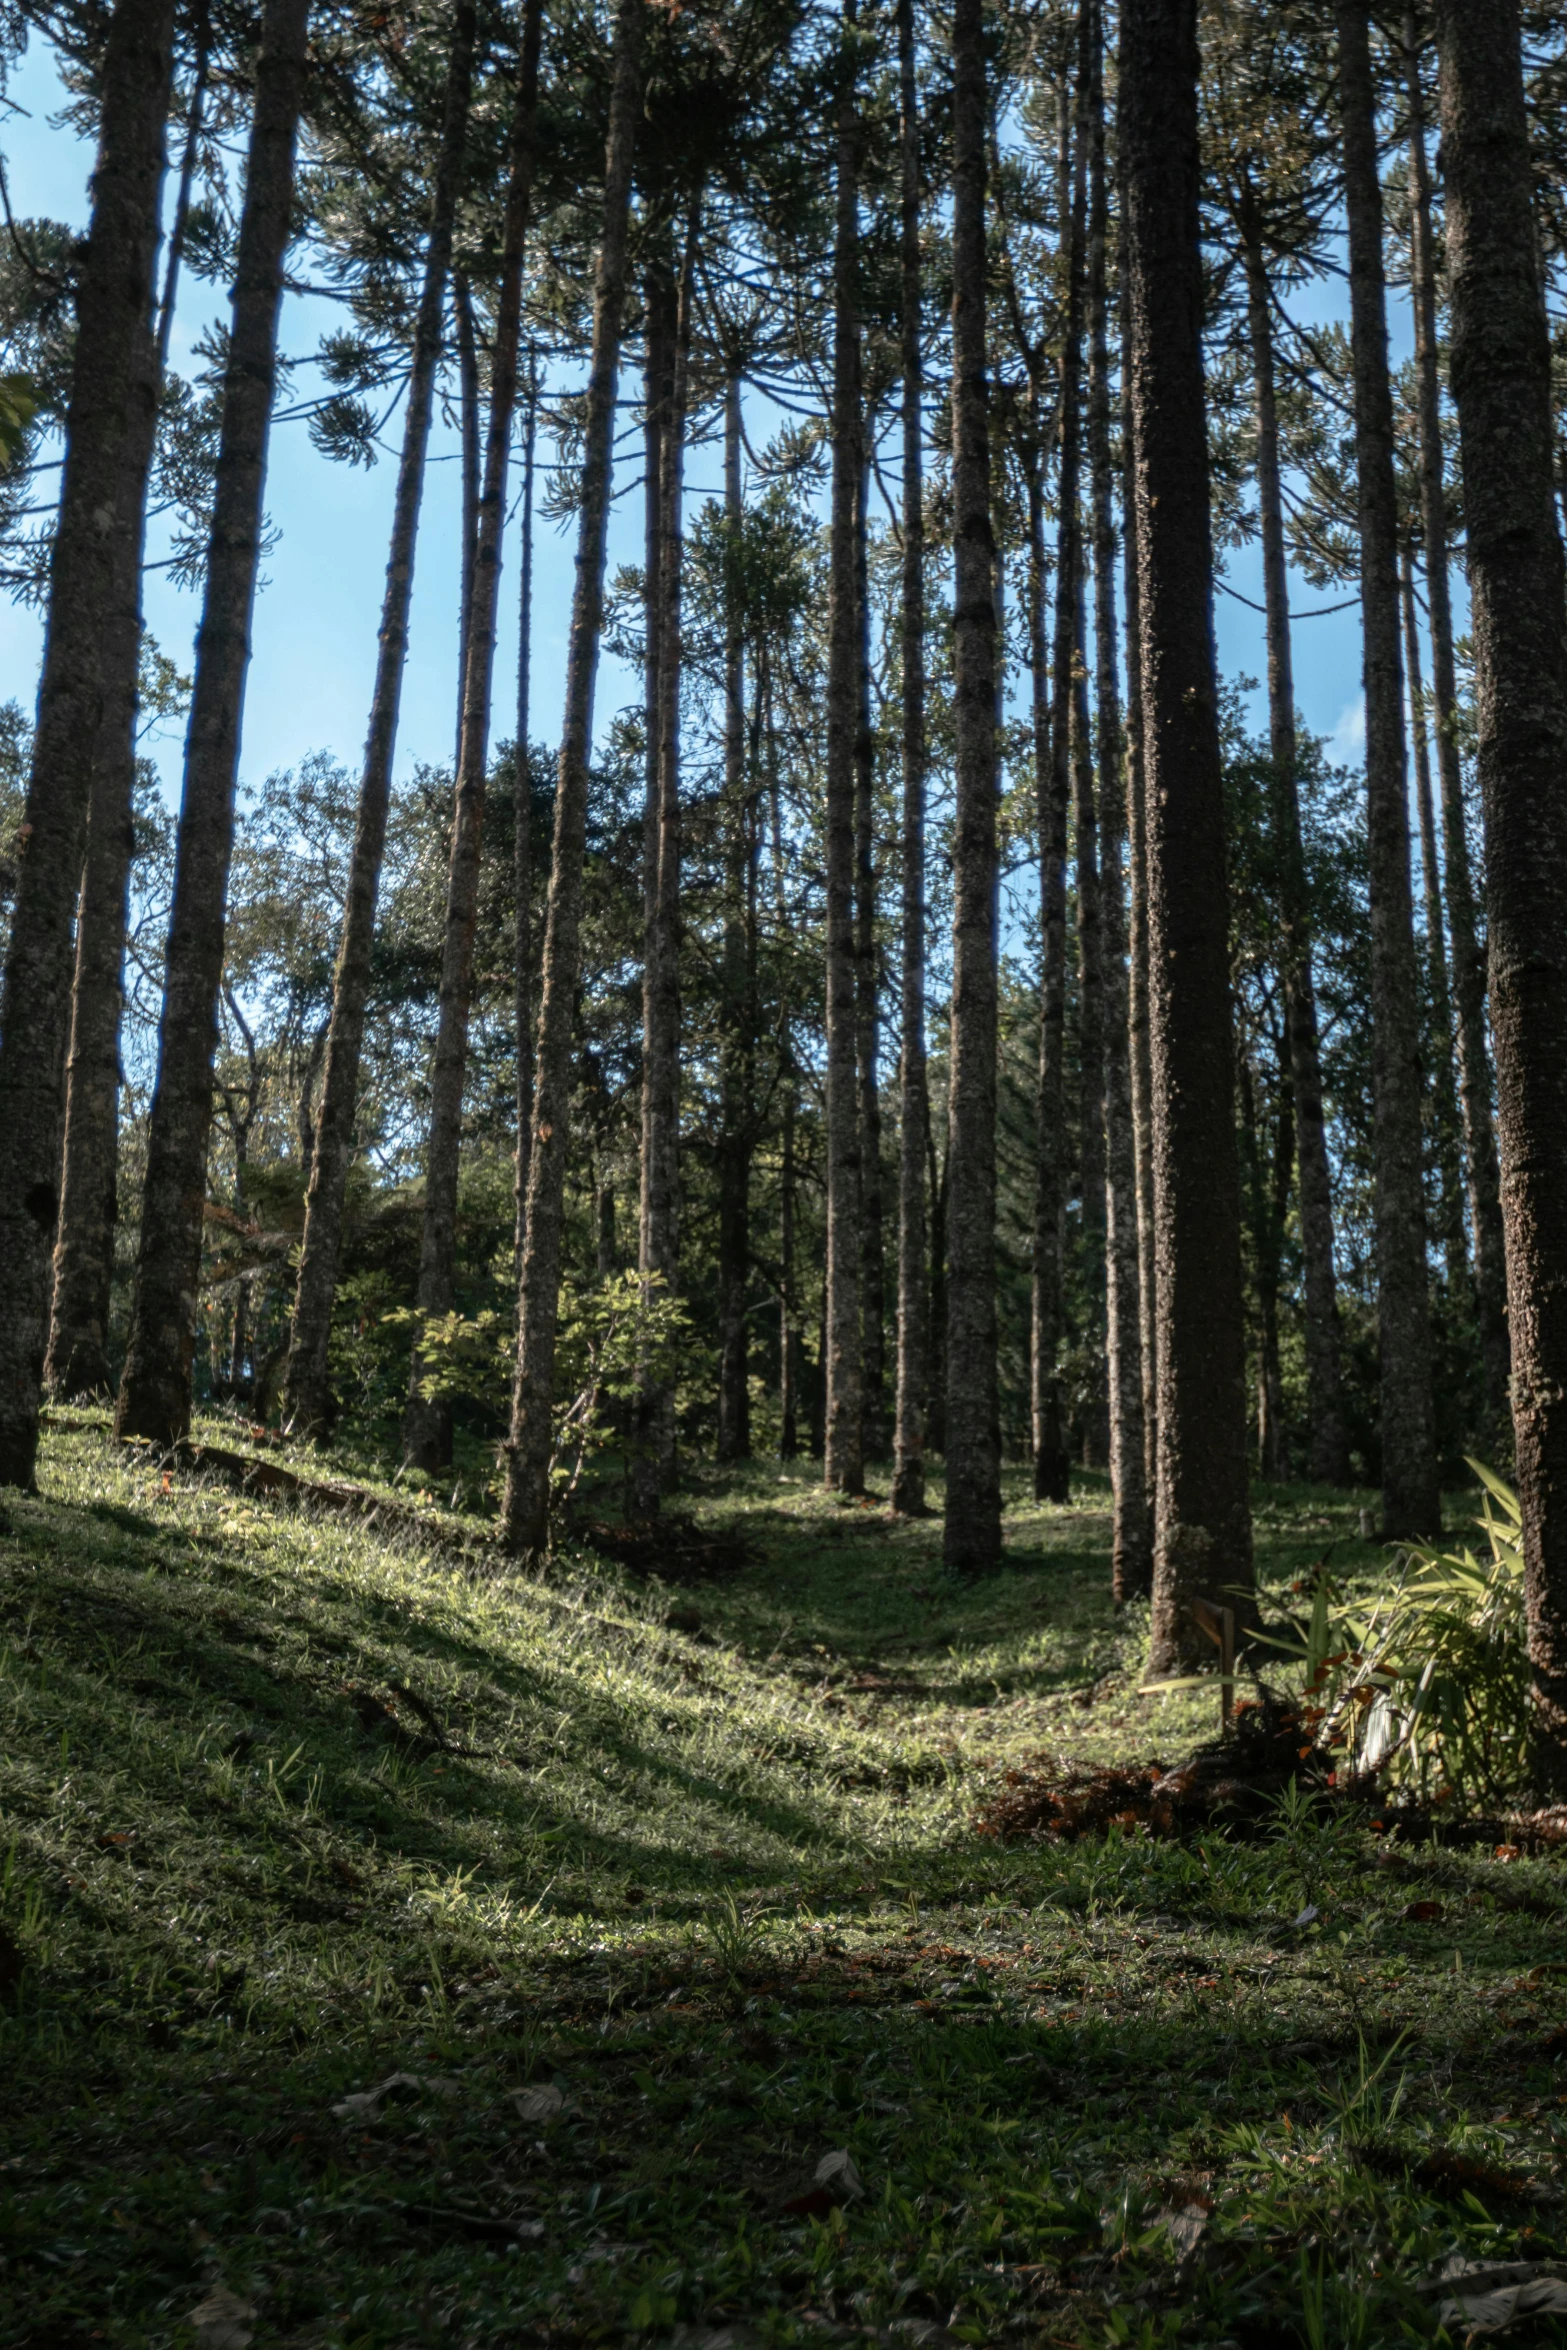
column 788, row 1296
column 653, row 1460
column 908, row 1481
column 427, row 1437
column 525, row 1510
column 1411, row 1500
column 307, row 1394
column 1090, row 1041
column 1324, row 1382
column 109, row 431
column 734, row 1149
column 77, row 1361
column 1052, row 1476
column 844, row 1461
column 1140, row 1066
column 867, row 992
column 1439, row 1003
column 1474, row 1057
column 1500, row 370
column 1203, row 1527
column 522, row 832
column 1132, row 1526
column 155, row 1392
column 468, row 405
column 972, row 1533
column 1267, row 1195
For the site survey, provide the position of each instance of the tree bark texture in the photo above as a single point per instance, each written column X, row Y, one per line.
column 525, row 1508
column 77, row 1361
column 1411, row 1501
column 972, row 1533
column 653, row 1460
column 908, row 1480
column 1203, row 1527
column 155, row 1391
column 1053, row 783
column 867, row 993
column 111, row 412
column 1132, row 1522
column 522, row 832
column 426, row 1425
column 307, row 1397
column 1475, row 1087
column 1443, row 1098
column 1500, row 373
column 734, row 1163
column 1329, row 1459
column 468, row 420
column 844, row 1461
column 1139, row 1071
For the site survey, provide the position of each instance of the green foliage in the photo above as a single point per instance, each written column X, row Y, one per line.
column 1428, row 1684
column 19, row 404
column 613, row 1334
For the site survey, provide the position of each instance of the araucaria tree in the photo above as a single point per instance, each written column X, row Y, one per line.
column 1203, row 1524
column 155, row 1390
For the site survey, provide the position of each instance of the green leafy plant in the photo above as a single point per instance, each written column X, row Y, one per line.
column 1428, row 1685
column 613, row 1335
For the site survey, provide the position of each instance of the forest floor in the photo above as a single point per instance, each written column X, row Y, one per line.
column 398, row 1952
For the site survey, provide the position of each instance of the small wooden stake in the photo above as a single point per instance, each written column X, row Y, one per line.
column 1219, row 1625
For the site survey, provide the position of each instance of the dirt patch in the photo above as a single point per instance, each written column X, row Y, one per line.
column 676, row 1548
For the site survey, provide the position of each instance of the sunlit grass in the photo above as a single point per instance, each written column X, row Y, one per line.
column 291, row 1805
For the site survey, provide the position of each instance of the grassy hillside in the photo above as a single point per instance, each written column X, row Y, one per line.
column 646, row 1901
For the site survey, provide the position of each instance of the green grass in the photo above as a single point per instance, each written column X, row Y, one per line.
column 289, row 1807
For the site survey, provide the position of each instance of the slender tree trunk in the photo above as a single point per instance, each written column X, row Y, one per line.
column 1474, row 1057
column 788, row 1296
column 1500, row 372
column 307, row 1395
column 1411, row 1500
column 468, row 443
column 734, row 1150
column 110, row 419
column 427, row 1436
column 908, row 1482
column 873, row 1350
column 201, row 39
column 522, row 832
column 1324, row 1383
column 1132, row 1528
column 653, row 1460
column 1439, row 1004
column 1140, row 1066
column 972, row 1535
column 936, row 1408
column 844, row 1461
column 1266, row 1209
column 1203, row 1527
column 1052, row 1475
column 525, row 1511
column 155, row 1392
column 1090, row 1043
column 77, row 1362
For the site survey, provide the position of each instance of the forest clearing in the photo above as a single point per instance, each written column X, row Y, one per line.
column 413, row 1955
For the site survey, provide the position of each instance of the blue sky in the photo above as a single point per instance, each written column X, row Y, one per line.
column 316, row 620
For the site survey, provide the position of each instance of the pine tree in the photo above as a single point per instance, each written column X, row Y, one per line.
column 1474, row 1059
column 1203, row 1527
column 525, row 1508
column 155, row 1390
column 1411, row 1501
column 1500, row 371
column 426, row 1425
column 908, row 1485
column 307, row 1403
column 972, row 1533
column 109, row 427
column 844, row 1461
